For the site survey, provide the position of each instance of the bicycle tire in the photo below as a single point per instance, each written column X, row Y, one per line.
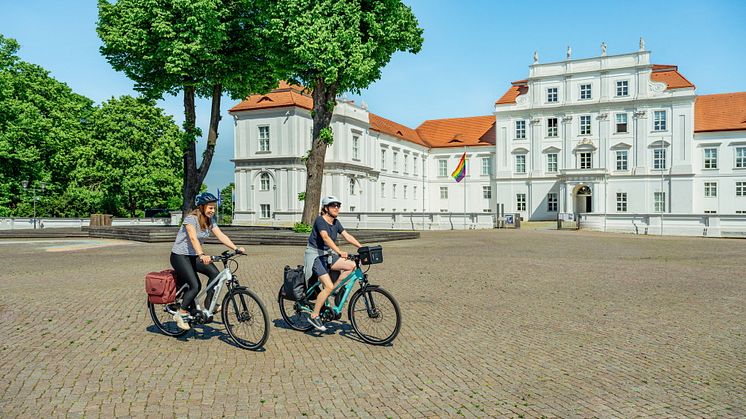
column 239, row 314
column 163, row 319
column 291, row 314
column 367, row 321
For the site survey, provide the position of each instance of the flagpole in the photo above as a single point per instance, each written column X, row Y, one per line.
column 466, row 175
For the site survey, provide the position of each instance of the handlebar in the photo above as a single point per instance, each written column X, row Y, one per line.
column 226, row 255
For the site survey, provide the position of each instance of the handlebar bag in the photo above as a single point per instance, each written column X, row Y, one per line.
column 294, row 285
column 161, row 286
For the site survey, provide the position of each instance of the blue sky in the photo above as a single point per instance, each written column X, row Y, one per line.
column 473, row 49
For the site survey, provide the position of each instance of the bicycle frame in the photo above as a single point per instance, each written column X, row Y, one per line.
column 217, row 282
column 347, row 284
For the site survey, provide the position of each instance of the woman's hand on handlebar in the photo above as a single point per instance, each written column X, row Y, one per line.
column 205, row 259
column 344, row 255
column 240, row 251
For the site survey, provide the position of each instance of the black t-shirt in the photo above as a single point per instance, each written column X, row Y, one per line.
column 319, row 225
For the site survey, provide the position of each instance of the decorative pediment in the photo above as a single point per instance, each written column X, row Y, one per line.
column 659, row 144
column 519, row 150
column 585, row 144
column 621, row 146
column 551, row 149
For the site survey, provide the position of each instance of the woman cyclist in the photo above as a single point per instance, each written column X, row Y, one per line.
column 188, row 257
column 316, row 261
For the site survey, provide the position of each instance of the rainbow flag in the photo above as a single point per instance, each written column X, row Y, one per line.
column 460, row 173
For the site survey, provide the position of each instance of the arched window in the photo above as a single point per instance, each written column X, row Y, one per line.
column 352, row 186
column 264, row 181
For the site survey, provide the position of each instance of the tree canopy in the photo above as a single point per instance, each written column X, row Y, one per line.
column 334, row 46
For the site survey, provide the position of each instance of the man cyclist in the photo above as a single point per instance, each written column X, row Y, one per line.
column 320, row 261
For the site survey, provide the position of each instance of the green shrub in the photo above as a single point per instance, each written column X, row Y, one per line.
column 302, row 228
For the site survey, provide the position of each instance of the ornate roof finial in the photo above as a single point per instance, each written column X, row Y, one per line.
column 603, row 49
column 642, row 44
column 569, row 52
column 536, row 57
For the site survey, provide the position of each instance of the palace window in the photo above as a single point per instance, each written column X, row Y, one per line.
column 552, row 96
column 552, row 202
column 265, row 211
column 415, row 164
column 711, row 158
column 393, row 191
column 622, row 88
column 520, row 129
column 711, row 189
column 659, row 158
column 395, row 164
column 585, row 125
column 352, row 186
column 444, row 192
column 383, row 190
column 356, row 147
column 264, row 139
column 552, row 162
column 442, row 168
column 551, row 127
column 585, row 91
column 659, row 120
column 487, row 192
column 486, row 166
column 264, row 182
column 621, row 160
column 740, row 188
column 520, row 202
column 621, row 201
column 740, row 157
column 659, row 199
column 621, row 122
column 520, row 163
column 383, row 159
column 405, row 191
column 586, row 160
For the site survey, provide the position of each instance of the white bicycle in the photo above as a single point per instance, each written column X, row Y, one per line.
column 243, row 312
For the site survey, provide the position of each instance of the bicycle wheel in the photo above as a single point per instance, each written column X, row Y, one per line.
column 163, row 318
column 245, row 318
column 292, row 314
column 375, row 315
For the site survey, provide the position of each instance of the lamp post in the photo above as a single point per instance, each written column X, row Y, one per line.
column 42, row 185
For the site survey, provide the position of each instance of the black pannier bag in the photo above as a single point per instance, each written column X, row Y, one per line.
column 294, row 286
column 370, row 255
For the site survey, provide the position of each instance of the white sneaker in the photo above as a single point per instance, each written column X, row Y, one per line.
column 180, row 321
column 316, row 322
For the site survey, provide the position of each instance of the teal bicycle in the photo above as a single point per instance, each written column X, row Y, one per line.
column 373, row 312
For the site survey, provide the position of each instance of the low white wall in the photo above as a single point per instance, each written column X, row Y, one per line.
column 384, row 220
column 704, row 225
column 28, row 223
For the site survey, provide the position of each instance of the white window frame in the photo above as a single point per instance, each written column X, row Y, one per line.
column 404, row 191
column 586, row 91
column 265, row 211
column 585, row 160
column 659, row 201
column 552, row 166
column 415, row 167
column 520, row 129
column 740, row 188
column 406, row 164
column 486, row 166
column 395, row 161
column 356, row 147
column 414, row 192
column 659, row 159
column 711, row 189
column 621, row 202
column 552, row 131
column 264, row 182
column 383, row 160
column 660, row 122
column 444, row 192
column 520, row 163
column 520, row 202
column 617, row 123
column 552, row 202
column 585, row 125
column 622, row 88
column 740, row 158
column 552, row 94
column 442, row 168
column 393, row 191
column 622, row 160
column 487, row 192
column 710, row 158
column 264, row 139
column 383, row 189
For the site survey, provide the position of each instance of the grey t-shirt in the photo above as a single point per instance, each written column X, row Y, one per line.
column 320, row 224
column 182, row 245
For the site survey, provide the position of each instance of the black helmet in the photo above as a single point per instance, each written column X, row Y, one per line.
column 204, row 198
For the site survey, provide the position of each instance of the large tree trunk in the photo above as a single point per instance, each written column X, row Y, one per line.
column 191, row 184
column 212, row 133
column 324, row 100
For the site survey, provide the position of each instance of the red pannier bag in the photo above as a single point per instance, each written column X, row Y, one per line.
column 161, row 286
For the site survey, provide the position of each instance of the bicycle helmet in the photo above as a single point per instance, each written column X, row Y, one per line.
column 204, row 198
column 330, row 200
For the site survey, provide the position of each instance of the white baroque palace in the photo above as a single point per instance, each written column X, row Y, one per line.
column 614, row 140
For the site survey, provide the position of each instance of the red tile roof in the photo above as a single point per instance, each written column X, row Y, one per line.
column 519, row 87
column 386, row 126
column 670, row 75
column 721, row 112
column 459, row 132
column 285, row 95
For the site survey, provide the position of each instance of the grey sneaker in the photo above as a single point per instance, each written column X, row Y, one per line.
column 316, row 322
column 181, row 321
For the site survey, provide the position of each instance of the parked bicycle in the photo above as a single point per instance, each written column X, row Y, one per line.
column 373, row 312
column 243, row 312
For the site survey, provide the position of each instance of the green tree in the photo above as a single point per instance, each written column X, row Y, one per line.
column 335, row 46
column 201, row 48
column 132, row 160
column 42, row 121
column 226, row 204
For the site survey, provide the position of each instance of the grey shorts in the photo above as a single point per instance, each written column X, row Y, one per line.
column 323, row 264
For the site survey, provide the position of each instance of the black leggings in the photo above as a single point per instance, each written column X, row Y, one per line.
column 186, row 268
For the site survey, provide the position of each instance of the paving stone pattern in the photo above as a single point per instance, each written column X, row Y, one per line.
column 495, row 324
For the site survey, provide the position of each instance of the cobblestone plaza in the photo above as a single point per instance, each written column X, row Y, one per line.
column 506, row 323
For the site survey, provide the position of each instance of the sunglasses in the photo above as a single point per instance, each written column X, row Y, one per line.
column 335, row 205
